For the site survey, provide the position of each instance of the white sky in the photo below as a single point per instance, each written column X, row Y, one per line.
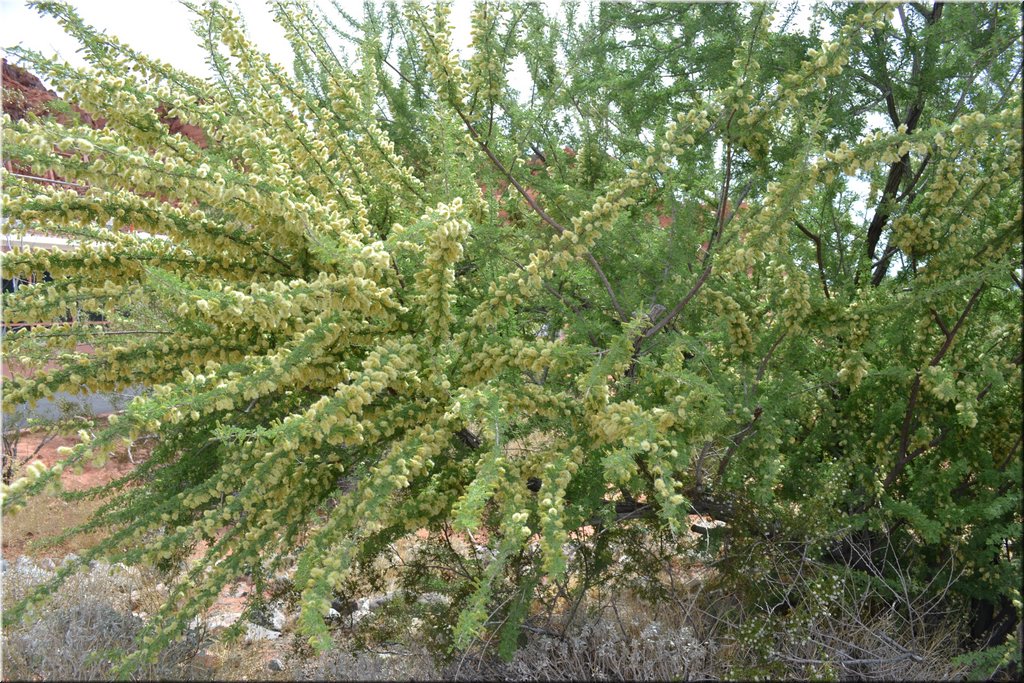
column 161, row 29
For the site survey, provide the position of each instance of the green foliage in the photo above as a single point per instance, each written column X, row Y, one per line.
column 701, row 264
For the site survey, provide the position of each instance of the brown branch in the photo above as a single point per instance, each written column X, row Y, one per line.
column 898, row 168
column 471, row 440
column 723, row 198
column 623, row 510
column 698, row 470
column 921, row 9
column 817, row 255
column 942, row 325
column 677, row 309
column 956, row 326
column 908, row 190
column 904, row 457
column 763, row 365
column 1010, row 453
column 740, row 437
column 700, row 503
column 1019, row 359
column 908, row 418
column 719, row 225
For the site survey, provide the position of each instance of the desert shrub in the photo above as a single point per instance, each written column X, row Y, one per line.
column 615, row 303
column 624, row 646
column 786, row 614
column 395, row 664
column 87, row 625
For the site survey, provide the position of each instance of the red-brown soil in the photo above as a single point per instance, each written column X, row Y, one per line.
column 48, row 514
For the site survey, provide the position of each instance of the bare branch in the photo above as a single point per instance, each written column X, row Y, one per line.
column 738, row 439
column 937, row 358
column 763, row 365
column 678, row 308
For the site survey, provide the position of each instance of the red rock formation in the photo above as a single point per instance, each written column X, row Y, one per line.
column 24, row 93
column 192, row 132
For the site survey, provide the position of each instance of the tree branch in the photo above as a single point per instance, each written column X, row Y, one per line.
column 817, row 255
column 898, row 168
column 904, row 458
column 942, row 325
column 719, row 225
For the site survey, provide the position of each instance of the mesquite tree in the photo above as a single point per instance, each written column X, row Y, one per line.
column 703, row 263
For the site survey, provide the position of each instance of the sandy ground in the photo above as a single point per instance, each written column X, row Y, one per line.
column 32, row 447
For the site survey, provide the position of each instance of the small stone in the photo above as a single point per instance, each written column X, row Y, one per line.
column 254, row 632
column 333, row 614
column 433, row 599
column 276, row 665
column 221, row 620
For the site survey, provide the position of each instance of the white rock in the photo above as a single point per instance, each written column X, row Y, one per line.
column 222, row 620
column 433, row 599
column 254, row 632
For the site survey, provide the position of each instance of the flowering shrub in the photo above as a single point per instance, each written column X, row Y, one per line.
column 338, row 296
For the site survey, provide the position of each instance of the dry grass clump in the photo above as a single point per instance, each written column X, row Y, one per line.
column 75, row 635
column 406, row 664
column 809, row 619
column 598, row 647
